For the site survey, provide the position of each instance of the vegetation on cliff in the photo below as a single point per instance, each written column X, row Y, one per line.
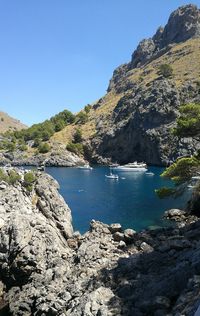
column 182, row 171
column 11, row 176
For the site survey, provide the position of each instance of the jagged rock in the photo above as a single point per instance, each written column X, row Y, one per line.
column 115, row 227
column 129, row 235
column 118, row 236
column 175, row 214
column 183, row 24
column 143, row 53
column 145, row 247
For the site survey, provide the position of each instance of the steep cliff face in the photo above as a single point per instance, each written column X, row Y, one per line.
column 46, row 269
column 140, row 123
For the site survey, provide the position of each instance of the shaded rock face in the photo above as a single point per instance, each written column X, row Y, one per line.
column 183, row 24
column 46, row 269
column 141, row 123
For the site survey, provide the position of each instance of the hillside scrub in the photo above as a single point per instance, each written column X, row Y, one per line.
column 165, row 70
column 11, row 177
column 75, row 148
column 188, row 124
column 44, row 148
column 29, row 180
column 77, row 138
column 43, row 131
column 182, row 171
column 81, row 118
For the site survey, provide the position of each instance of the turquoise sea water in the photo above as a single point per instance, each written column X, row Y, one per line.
column 130, row 200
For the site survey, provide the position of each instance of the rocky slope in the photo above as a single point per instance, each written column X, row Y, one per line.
column 47, row 269
column 8, row 123
column 133, row 121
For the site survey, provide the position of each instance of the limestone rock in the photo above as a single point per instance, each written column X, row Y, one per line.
column 175, row 214
column 183, row 24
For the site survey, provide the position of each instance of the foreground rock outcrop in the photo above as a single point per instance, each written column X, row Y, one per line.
column 47, row 269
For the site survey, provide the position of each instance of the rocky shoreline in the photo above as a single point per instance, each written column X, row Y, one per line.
column 48, row 269
column 54, row 159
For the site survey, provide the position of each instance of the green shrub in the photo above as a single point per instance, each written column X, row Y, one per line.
column 87, row 108
column 59, row 126
column 10, row 178
column 77, row 136
column 75, row 148
column 23, row 147
column 81, row 118
column 29, row 179
column 8, row 145
column 165, row 70
column 13, row 177
column 188, row 124
column 43, row 131
column 3, row 176
column 44, row 148
column 182, row 170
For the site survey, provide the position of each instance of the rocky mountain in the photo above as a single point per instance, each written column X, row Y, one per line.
column 133, row 121
column 8, row 123
column 47, row 269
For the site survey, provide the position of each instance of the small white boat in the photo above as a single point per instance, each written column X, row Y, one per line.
column 133, row 166
column 85, row 167
column 112, row 176
column 150, row 174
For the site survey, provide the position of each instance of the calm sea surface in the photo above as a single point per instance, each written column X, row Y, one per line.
column 130, row 200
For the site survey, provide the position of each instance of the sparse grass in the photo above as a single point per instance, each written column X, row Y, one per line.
column 184, row 59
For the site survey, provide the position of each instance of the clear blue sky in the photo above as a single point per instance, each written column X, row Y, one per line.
column 57, row 54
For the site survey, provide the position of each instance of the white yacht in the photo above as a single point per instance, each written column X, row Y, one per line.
column 133, row 166
column 85, row 167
